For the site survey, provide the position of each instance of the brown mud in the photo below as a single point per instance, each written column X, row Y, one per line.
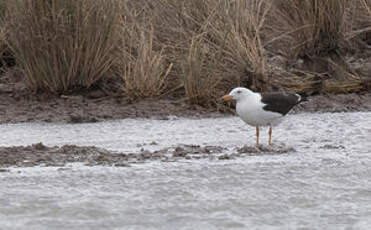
column 351, row 102
column 41, row 155
column 19, row 105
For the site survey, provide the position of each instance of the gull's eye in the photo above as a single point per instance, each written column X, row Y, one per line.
column 239, row 91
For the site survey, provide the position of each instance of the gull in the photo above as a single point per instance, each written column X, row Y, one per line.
column 263, row 109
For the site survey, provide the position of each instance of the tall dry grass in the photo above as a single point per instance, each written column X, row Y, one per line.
column 241, row 41
column 200, row 76
column 359, row 22
column 174, row 25
column 197, row 49
column 317, row 33
column 144, row 70
column 216, row 41
column 309, row 27
column 63, row 45
column 182, row 26
column 4, row 49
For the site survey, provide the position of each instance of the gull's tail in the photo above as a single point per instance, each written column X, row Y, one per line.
column 302, row 97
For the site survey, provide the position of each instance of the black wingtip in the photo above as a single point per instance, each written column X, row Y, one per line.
column 303, row 97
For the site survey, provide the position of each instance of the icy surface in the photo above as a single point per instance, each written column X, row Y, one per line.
column 325, row 184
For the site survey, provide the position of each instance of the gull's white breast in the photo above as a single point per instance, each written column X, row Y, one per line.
column 251, row 111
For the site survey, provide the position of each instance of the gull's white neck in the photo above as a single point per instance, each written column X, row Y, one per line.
column 250, row 98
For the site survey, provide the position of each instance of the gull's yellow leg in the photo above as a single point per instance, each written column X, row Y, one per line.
column 257, row 135
column 270, row 135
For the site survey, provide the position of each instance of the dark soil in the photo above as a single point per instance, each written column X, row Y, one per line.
column 41, row 155
column 351, row 102
column 19, row 105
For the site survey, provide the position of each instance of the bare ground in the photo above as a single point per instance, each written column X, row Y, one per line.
column 19, row 105
column 41, row 155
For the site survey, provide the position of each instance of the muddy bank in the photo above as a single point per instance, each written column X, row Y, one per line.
column 17, row 105
column 20, row 106
column 41, row 155
column 336, row 103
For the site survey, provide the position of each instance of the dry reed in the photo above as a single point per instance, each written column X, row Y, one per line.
column 63, row 45
column 203, row 48
column 309, row 27
column 143, row 70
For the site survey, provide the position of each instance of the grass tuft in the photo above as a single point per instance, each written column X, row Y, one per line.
column 143, row 69
column 200, row 78
column 193, row 49
column 309, row 27
column 63, row 45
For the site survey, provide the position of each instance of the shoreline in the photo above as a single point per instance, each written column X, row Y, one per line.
column 82, row 109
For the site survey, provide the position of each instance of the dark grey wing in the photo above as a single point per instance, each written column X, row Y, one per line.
column 280, row 102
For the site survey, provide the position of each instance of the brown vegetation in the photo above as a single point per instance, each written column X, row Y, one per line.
column 193, row 49
column 63, row 45
column 144, row 70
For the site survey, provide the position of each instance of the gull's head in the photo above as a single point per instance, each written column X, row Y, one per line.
column 238, row 94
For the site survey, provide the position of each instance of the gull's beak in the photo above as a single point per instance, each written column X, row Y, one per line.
column 227, row 97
